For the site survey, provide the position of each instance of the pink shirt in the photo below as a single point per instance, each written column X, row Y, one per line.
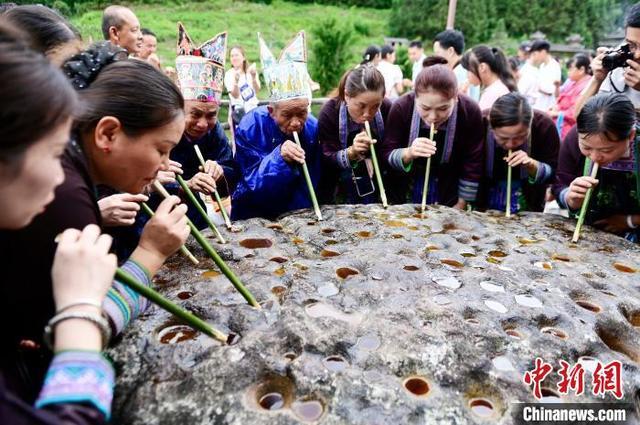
column 491, row 93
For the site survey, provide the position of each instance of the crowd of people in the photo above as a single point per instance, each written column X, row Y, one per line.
column 85, row 131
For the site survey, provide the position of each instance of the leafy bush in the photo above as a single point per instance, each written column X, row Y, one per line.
column 330, row 52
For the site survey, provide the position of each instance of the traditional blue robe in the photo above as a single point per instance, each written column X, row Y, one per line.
column 268, row 185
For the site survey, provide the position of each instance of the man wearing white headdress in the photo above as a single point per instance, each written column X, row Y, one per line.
column 272, row 181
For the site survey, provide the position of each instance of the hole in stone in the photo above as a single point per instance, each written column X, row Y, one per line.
column 452, row 263
column 481, row 407
column 364, row 234
column 621, row 267
column 589, row 306
column 414, row 228
column 278, row 290
column 308, row 410
column 290, row 356
column 256, row 243
column 271, row 401
column 210, row 274
column 185, row 295
column 549, row 396
column 419, row 215
column 472, row 321
column 613, row 339
column 397, row 236
column 633, row 317
column 558, row 333
column 176, row 333
column 560, row 257
column 233, row 339
column 328, row 231
column 513, row 333
column 297, row 240
column 411, row 268
column 328, row 253
column 335, row 363
column 417, row 385
column 611, row 294
column 431, row 248
column 274, row 226
column 448, row 226
column 311, row 223
column 497, row 253
column 279, row 271
column 345, row 272
column 278, row 260
column 394, row 223
column 331, row 242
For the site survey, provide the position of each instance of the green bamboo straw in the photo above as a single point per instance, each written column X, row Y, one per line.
column 169, row 306
column 509, row 168
column 376, row 168
column 585, row 203
column 214, row 256
column 427, row 171
column 307, row 177
column 183, row 248
column 203, row 213
column 223, row 210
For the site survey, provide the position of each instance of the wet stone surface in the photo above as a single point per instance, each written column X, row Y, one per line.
column 359, row 338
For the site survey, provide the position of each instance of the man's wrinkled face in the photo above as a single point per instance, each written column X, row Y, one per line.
column 199, row 117
column 290, row 115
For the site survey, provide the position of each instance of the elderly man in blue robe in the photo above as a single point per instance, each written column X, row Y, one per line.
column 272, row 181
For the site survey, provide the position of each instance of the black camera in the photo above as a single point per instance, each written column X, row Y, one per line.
column 616, row 58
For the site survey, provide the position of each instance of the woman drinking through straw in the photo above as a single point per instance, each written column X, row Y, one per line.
column 132, row 118
column 456, row 152
column 606, row 134
column 347, row 170
column 512, row 125
column 79, row 384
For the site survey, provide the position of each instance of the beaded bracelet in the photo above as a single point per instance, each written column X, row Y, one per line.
column 97, row 320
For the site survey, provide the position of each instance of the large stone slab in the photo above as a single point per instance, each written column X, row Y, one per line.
column 383, row 317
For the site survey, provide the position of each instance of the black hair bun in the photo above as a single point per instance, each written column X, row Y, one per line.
column 84, row 67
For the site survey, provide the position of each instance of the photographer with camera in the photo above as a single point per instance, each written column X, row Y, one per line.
column 618, row 71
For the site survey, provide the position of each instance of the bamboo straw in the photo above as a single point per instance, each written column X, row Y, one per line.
column 509, row 169
column 307, row 177
column 214, row 256
column 153, row 296
column 223, row 210
column 376, row 168
column 183, row 248
column 585, row 204
column 203, row 213
column 427, row 171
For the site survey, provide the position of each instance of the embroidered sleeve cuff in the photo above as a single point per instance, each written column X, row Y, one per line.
column 543, row 174
column 122, row 304
column 79, row 377
column 562, row 199
column 395, row 161
column 343, row 159
column 467, row 190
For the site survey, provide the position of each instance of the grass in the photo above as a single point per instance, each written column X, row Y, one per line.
column 277, row 22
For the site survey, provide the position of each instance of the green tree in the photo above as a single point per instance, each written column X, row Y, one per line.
column 330, row 52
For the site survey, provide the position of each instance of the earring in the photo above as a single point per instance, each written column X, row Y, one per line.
column 106, row 149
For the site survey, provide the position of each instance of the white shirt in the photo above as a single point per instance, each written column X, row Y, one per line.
column 392, row 75
column 538, row 84
column 617, row 76
column 417, row 67
column 247, row 97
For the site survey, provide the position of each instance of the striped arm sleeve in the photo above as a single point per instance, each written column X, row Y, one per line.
column 395, row 161
column 468, row 190
column 82, row 377
column 343, row 159
column 122, row 304
column 543, row 174
column 562, row 198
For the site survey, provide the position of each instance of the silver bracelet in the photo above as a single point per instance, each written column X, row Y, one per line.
column 630, row 222
column 98, row 320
